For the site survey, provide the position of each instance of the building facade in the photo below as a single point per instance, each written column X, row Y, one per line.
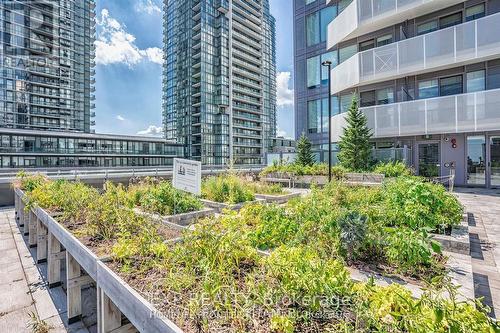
column 43, row 149
column 311, row 19
column 47, row 64
column 46, row 93
column 219, row 89
column 427, row 75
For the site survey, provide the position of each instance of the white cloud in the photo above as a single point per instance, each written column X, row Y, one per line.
column 152, row 130
column 115, row 45
column 285, row 94
column 280, row 133
column 120, row 118
column 147, row 6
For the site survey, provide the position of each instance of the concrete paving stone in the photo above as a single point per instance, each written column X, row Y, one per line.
column 11, row 272
column 9, row 256
column 56, row 324
column 7, row 244
column 15, row 295
column 17, row 321
column 49, row 302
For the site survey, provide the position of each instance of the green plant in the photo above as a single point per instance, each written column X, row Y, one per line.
column 355, row 148
column 353, row 229
column 294, row 169
column 412, row 252
column 28, row 182
column 413, row 202
column 263, row 188
column 393, row 169
column 162, row 198
column 305, row 156
column 227, row 188
column 36, row 325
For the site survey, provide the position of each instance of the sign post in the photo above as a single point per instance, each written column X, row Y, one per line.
column 187, row 176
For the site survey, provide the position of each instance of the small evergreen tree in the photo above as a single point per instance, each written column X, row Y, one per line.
column 355, row 148
column 305, row 156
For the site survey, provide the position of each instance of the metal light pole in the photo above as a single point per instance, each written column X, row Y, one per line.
column 328, row 64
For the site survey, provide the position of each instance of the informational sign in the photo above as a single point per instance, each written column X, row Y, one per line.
column 187, row 175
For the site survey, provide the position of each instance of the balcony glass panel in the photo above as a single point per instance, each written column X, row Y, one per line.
column 388, row 120
column 440, row 48
column 488, row 38
column 412, row 118
column 411, row 54
column 488, row 110
column 386, row 59
column 440, row 115
column 383, row 6
column 465, row 115
column 466, row 41
column 365, row 10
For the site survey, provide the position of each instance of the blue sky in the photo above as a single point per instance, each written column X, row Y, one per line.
column 128, row 71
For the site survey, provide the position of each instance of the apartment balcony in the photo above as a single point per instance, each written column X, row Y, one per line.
column 364, row 16
column 472, row 112
column 459, row 45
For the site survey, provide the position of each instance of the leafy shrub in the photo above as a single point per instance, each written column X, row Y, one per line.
column 263, row 188
column 28, row 182
column 353, row 229
column 412, row 252
column 162, row 198
column 294, row 169
column 393, row 169
column 413, row 202
column 227, row 188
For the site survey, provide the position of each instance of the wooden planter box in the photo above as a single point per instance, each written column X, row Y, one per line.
column 278, row 198
column 184, row 219
column 115, row 296
column 220, row 206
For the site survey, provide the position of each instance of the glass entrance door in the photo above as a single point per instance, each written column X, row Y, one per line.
column 495, row 161
column 428, row 160
column 476, row 157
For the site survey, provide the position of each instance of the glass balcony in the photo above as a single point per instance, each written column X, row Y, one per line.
column 455, row 46
column 364, row 16
column 472, row 112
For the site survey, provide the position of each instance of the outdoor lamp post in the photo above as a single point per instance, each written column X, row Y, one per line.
column 328, row 64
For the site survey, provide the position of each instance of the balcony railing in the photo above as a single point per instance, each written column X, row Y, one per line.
column 472, row 112
column 363, row 16
column 454, row 46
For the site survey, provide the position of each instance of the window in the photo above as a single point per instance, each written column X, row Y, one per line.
column 427, row 27
column 331, row 56
column 317, row 25
column 384, row 40
column 326, row 16
column 313, row 72
column 345, row 102
column 474, row 12
column 451, row 86
column 385, row 96
column 309, row 1
column 369, row 44
column 314, row 116
column 317, row 115
column 367, row 98
column 476, row 81
column 450, row 20
column 347, row 52
column 428, row 89
column 312, row 29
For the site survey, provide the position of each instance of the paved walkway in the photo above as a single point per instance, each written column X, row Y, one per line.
column 23, row 286
column 483, row 208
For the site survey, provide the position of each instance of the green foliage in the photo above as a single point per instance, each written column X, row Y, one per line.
column 162, row 198
column 393, row 169
column 353, row 229
column 28, row 182
column 412, row 252
column 295, row 169
column 413, row 202
column 305, row 155
column 355, row 148
column 263, row 188
column 226, row 188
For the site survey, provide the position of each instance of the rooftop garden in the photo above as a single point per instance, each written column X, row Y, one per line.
column 278, row 268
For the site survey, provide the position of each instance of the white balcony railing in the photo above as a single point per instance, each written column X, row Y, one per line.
column 454, row 46
column 363, row 16
column 473, row 112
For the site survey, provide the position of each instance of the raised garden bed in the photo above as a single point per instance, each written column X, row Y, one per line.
column 458, row 240
column 278, row 198
column 220, row 206
column 216, row 272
